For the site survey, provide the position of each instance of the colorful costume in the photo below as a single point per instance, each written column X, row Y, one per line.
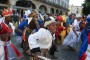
column 71, row 38
column 43, row 38
column 7, row 49
column 6, row 43
column 85, row 46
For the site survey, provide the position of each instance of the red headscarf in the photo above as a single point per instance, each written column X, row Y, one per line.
column 59, row 18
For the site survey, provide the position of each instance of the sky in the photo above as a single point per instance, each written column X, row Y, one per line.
column 76, row 2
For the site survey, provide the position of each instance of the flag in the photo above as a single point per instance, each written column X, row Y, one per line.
column 84, row 45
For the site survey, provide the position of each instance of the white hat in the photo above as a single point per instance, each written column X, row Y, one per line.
column 48, row 22
column 78, row 15
column 27, row 12
column 52, row 18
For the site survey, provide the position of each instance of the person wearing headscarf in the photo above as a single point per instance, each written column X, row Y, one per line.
column 23, row 24
column 7, row 49
column 59, row 29
column 74, row 34
column 43, row 38
column 63, row 24
column 84, row 53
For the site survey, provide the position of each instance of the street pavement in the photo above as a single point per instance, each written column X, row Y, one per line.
column 64, row 52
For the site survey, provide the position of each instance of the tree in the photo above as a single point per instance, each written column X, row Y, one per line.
column 86, row 7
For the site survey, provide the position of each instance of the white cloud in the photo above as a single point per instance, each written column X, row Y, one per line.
column 76, row 2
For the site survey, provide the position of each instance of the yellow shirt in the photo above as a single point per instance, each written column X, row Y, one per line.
column 64, row 18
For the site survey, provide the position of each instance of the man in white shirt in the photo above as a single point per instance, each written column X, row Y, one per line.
column 43, row 38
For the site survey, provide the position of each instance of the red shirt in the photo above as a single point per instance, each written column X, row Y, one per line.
column 58, row 31
column 5, row 29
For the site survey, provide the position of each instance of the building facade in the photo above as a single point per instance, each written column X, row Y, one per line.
column 50, row 6
column 75, row 9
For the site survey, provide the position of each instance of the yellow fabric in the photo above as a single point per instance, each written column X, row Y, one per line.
column 64, row 18
column 63, row 34
column 61, row 23
column 68, row 29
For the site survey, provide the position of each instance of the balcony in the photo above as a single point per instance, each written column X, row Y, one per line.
column 49, row 2
column 53, row 4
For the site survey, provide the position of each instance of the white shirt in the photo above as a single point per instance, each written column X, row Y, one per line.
column 2, row 19
column 76, row 24
column 42, row 39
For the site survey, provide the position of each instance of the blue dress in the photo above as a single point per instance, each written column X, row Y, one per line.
column 21, row 27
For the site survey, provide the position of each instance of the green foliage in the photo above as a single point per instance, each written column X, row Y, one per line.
column 86, row 7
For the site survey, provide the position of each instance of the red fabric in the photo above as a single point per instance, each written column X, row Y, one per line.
column 89, row 38
column 5, row 29
column 6, row 12
column 5, row 50
column 15, row 50
column 59, row 18
column 83, row 57
column 58, row 31
column 23, row 35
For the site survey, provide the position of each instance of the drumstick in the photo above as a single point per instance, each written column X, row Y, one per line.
column 44, row 58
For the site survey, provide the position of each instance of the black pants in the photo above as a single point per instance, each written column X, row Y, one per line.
column 35, row 50
column 52, row 49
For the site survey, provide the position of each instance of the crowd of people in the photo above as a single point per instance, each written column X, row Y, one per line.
column 38, row 35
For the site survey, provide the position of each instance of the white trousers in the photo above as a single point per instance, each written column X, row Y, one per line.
column 71, row 38
column 2, row 54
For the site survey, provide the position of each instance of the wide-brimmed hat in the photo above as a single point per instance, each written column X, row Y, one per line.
column 48, row 21
column 27, row 12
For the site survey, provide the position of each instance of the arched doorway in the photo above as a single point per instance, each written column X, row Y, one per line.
column 52, row 10
column 26, row 4
column 57, row 11
column 42, row 9
column 60, row 12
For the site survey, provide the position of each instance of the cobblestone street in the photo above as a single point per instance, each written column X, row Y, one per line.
column 64, row 53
